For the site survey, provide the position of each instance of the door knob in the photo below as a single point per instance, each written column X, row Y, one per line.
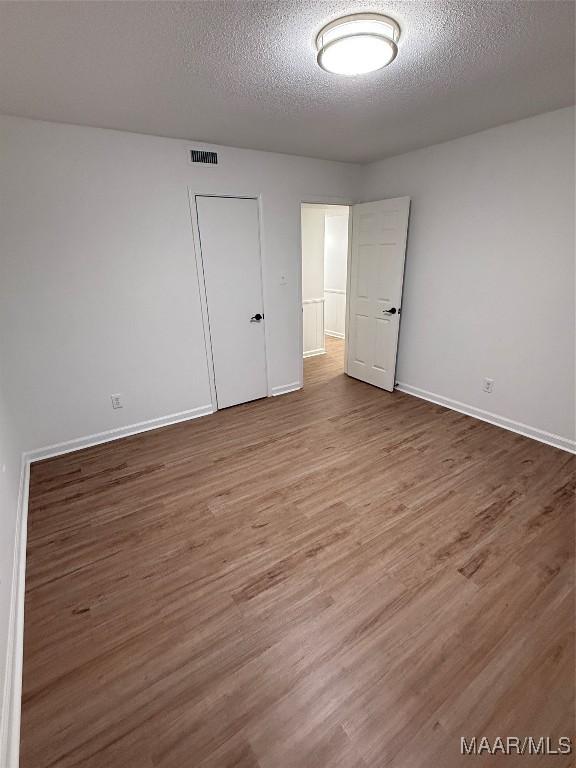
column 391, row 311
column 256, row 318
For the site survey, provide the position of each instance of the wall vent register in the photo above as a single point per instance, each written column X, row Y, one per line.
column 200, row 156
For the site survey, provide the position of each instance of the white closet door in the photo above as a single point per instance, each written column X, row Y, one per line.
column 379, row 232
column 230, row 246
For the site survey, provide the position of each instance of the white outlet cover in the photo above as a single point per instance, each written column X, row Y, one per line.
column 116, row 401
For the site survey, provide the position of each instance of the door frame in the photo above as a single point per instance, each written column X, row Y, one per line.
column 348, row 287
column 197, row 247
column 320, row 200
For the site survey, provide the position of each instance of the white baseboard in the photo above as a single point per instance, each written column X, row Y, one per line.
column 285, row 388
column 335, row 334
column 492, row 418
column 49, row 451
column 12, row 694
column 314, row 352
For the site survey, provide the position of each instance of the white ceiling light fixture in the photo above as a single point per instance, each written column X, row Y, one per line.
column 357, row 44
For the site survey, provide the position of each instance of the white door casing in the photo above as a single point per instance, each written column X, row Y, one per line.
column 376, row 275
column 230, row 251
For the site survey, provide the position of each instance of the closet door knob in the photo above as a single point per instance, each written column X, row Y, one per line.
column 390, row 311
column 257, row 317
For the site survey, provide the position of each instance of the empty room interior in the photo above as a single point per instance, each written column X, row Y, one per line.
column 287, row 384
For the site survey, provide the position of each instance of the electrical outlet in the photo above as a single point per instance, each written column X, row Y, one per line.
column 488, row 385
column 116, row 401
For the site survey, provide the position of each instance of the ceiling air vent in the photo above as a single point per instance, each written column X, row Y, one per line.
column 199, row 156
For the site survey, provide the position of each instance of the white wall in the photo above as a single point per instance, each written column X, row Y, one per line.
column 489, row 288
column 98, row 279
column 313, row 217
column 335, row 265
column 312, row 251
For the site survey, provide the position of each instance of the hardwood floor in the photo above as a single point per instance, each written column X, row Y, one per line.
column 335, row 578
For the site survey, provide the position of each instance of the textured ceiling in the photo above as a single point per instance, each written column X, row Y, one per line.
column 244, row 73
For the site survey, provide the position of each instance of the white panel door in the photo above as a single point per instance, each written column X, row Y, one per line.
column 230, row 246
column 379, row 232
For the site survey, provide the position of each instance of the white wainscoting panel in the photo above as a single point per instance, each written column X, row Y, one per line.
column 313, row 323
column 334, row 312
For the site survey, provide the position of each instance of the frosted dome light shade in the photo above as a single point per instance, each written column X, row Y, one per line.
column 355, row 45
column 356, row 55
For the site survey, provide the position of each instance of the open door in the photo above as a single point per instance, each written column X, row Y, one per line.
column 376, row 275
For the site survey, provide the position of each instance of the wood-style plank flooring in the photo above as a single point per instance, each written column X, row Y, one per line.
column 335, row 578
